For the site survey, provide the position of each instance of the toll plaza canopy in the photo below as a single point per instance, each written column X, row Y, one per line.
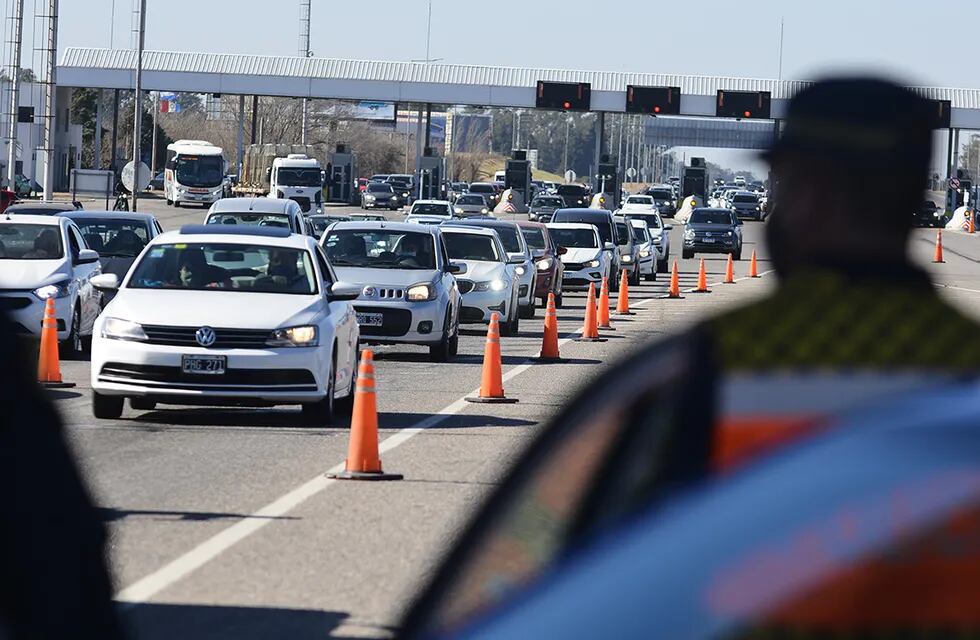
column 407, row 82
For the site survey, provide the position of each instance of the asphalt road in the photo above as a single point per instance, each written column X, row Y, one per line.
column 222, row 523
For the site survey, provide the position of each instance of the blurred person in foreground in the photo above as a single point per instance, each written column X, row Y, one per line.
column 53, row 577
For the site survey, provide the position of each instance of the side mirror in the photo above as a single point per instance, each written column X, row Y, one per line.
column 561, row 251
column 609, row 246
column 344, row 292
column 87, row 256
column 516, row 258
column 105, row 282
column 456, row 269
column 538, row 253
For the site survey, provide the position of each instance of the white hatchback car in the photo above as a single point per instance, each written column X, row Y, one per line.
column 489, row 284
column 260, row 212
column 585, row 259
column 45, row 257
column 441, row 208
column 251, row 316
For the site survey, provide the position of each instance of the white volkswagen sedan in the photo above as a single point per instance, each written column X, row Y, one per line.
column 489, row 284
column 241, row 316
column 45, row 257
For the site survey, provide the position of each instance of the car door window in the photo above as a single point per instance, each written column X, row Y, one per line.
column 75, row 242
column 324, row 267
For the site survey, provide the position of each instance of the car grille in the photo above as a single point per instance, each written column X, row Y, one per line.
column 576, row 282
column 574, row 266
column 465, row 286
column 231, row 380
column 471, row 314
column 303, row 202
column 389, row 294
column 394, row 322
column 225, row 338
column 12, row 303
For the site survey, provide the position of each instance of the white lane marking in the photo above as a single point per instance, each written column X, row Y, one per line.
column 950, row 286
column 147, row 587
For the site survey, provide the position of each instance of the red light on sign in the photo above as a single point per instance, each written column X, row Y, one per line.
column 656, row 109
column 567, row 104
column 748, row 114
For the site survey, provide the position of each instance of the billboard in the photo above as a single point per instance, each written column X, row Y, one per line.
column 362, row 110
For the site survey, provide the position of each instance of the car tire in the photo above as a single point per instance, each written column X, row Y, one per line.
column 613, row 282
column 74, row 346
column 738, row 254
column 170, row 202
column 527, row 312
column 448, row 347
column 142, row 404
column 345, row 406
column 512, row 326
column 687, row 255
column 106, row 407
column 650, row 277
column 320, row 413
column 635, row 278
column 559, row 300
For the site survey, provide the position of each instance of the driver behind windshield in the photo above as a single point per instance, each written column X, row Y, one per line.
column 195, row 272
column 413, row 251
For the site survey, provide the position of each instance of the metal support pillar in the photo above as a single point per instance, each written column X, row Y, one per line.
column 115, row 130
column 138, row 106
column 50, row 103
column 17, row 32
column 255, row 118
column 98, row 128
column 600, row 126
column 241, row 134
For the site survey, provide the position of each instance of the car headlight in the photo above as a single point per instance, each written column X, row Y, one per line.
column 56, row 290
column 626, row 258
column 458, row 210
column 117, row 329
column 520, row 270
column 404, row 195
column 421, row 293
column 484, row 211
column 644, row 254
column 729, row 234
column 305, row 336
column 544, row 265
column 593, row 264
column 497, row 285
column 368, row 197
column 689, row 234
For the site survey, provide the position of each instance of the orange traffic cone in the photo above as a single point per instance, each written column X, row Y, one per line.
column 938, row 259
column 730, row 271
column 971, row 225
column 702, row 280
column 675, row 283
column 623, row 304
column 492, row 383
column 590, row 331
column 753, row 266
column 363, row 459
column 549, row 344
column 48, row 363
column 604, row 306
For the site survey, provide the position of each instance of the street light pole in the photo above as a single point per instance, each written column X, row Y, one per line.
column 138, row 109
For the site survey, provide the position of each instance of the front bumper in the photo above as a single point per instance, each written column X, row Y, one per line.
column 387, row 204
column 198, row 198
column 649, row 264
column 26, row 312
column 479, row 305
column 272, row 376
column 579, row 280
column 404, row 322
column 545, row 283
column 721, row 245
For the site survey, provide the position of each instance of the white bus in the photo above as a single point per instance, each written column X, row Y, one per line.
column 195, row 172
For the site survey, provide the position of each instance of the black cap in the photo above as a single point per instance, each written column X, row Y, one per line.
column 864, row 121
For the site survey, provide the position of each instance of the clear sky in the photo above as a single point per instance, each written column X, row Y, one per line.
column 927, row 43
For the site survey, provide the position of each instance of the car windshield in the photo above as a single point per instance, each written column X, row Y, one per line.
column 280, row 220
column 319, row 224
column 622, row 232
column 745, row 199
column 639, row 200
column 602, row 225
column 31, row 242
column 710, row 217
column 571, row 190
column 574, row 238
column 641, row 234
column 380, row 249
column 428, row 209
column 661, row 194
column 114, row 238
column 652, row 221
column 478, row 200
column 225, row 267
column 534, row 236
column 300, row 177
column 471, row 246
column 508, row 238
column 482, row 188
column 380, row 188
column 547, row 202
column 200, row 171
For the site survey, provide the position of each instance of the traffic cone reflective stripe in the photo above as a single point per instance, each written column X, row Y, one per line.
column 675, row 283
column 48, row 361
column 363, row 459
column 590, row 331
column 604, row 305
column 754, row 266
column 730, row 271
column 492, row 379
column 623, row 304
column 971, row 225
column 702, row 279
column 549, row 344
column 938, row 259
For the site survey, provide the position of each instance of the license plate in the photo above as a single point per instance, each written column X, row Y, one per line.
column 370, row 319
column 709, row 240
column 204, row 365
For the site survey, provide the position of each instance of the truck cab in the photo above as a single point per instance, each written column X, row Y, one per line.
column 298, row 177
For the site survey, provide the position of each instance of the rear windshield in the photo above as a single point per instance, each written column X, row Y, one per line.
column 471, row 246
column 574, row 238
column 711, row 217
column 31, row 242
column 251, row 219
column 534, row 237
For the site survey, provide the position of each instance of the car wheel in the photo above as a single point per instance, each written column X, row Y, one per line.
column 512, row 326
column 687, row 255
column 142, row 404
column 106, row 407
column 170, row 202
column 662, row 265
column 635, row 278
column 345, row 406
column 447, row 348
column 738, row 254
column 320, row 413
column 559, row 300
column 650, row 277
column 527, row 312
column 73, row 346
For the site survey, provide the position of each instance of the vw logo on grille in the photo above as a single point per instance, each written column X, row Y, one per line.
column 205, row 336
column 369, row 292
column 707, row 235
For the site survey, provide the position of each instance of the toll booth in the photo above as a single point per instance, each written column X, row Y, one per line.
column 695, row 181
column 608, row 180
column 432, row 175
column 341, row 176
column 517, row 178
